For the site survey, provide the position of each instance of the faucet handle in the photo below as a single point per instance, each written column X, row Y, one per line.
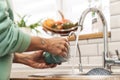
column 117, row 53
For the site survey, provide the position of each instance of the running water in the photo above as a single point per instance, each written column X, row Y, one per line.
column 76, row 43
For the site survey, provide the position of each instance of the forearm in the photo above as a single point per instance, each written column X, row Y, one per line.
column 56, row 46
column 17, row 58
column 38, row 43
column 21, row 58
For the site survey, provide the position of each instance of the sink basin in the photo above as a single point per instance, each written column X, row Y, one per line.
column 57, row 75
column 95, row 71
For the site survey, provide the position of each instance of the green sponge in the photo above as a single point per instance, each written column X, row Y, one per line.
column 50, row 58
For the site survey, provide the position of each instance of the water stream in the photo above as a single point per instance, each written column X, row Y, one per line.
column 77, row 33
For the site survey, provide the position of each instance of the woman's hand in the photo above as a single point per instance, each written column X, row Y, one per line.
column 58, row 46
column 35, row 60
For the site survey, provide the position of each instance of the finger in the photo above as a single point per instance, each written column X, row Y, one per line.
column 67, row 45
column 40, row 65
column 63, row 54
column 52, row 65
column 66, row 39
column 63, row 45
column 43, row 65
column 39, row 53
column 65, row 49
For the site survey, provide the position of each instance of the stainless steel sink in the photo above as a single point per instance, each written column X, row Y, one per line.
column 56, row 75
column 95, row 71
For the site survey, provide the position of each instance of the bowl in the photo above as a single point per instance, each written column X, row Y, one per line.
column 63, row 32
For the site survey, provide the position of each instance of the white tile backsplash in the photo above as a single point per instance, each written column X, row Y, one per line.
column 82, row 42
column 114, row 46
column 113, row 1
column 115, row 8
column 83, row 59
column 115, row 21
column 72, row 43
column 72, row 50
column 96, row 60
column 100, row 49
column 89, row 50
column 95, row 41
column 115, row 34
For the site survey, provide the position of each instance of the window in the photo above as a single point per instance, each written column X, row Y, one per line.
column 36, row 9
column 72, row 9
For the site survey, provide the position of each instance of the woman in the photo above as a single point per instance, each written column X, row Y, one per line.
column 13, row 40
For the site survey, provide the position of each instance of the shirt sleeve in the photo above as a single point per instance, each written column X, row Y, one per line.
column 11, row 38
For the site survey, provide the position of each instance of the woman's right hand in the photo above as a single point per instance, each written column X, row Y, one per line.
column 58, row 46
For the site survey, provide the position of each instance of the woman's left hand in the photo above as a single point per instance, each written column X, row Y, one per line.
column 35, row 60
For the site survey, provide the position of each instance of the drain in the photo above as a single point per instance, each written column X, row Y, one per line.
column 99, row 71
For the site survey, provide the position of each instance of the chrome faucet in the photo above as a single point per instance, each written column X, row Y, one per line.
column 77, row 46
column 107, row 61
column 105, row 30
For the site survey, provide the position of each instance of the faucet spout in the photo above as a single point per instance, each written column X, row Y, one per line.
column 105, row 29
column 77, row 46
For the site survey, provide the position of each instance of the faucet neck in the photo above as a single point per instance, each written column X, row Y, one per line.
column 105, row 28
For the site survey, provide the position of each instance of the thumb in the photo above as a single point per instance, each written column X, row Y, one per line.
column 39, row 53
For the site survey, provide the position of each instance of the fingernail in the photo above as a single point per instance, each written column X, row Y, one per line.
column 65, row 55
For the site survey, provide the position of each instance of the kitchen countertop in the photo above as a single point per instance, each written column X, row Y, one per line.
column 25, row 76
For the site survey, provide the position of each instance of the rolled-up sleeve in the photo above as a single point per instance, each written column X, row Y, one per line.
column 11, row 38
